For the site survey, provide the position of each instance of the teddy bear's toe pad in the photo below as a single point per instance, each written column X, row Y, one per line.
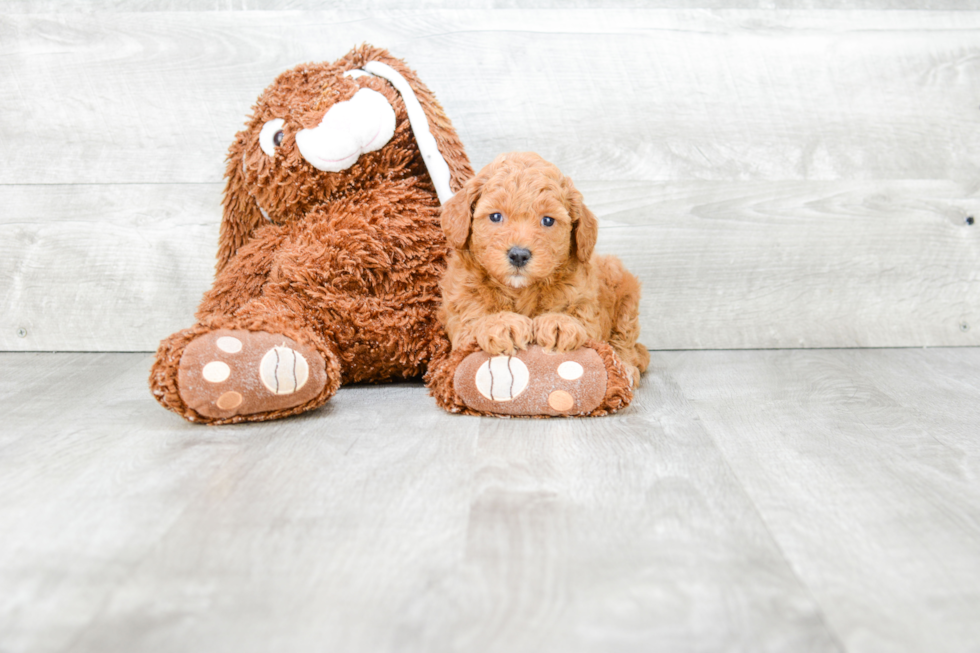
column 233, row 372
column 534, row 382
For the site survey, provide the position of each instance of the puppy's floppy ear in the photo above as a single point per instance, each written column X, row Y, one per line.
column 457, row 213
column 585, row 227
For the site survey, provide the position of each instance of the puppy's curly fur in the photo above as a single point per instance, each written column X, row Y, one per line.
column 523, row 269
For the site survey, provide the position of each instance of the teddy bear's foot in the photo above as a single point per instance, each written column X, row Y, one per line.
column 533, row 382
column 233, row 372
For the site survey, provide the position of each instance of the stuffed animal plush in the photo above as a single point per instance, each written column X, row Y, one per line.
column 330, row 250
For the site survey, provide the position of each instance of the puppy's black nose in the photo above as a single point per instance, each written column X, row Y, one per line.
column 518, row 256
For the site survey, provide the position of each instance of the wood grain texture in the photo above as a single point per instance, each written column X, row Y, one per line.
column 103, row 267
column 776, row 178
column 797, row 264
column 749, row 501
column 377, row 523
column 84, row 6
column 605, row 94
column 724, row 265
column 864, row 466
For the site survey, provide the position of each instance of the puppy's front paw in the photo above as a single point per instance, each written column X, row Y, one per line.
column 559, row 332
column 504, row 333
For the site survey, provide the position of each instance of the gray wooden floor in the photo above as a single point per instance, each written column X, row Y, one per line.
column 821, row 500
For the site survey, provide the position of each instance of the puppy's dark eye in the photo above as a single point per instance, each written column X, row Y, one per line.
column 547, row 221
column 277, row 138
column 496, row 217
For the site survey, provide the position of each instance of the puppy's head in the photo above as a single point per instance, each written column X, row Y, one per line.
column 521, row 220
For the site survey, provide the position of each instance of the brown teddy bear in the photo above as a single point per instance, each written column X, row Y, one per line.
column 330, row 249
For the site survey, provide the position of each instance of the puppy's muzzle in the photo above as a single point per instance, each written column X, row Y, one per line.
column 518, row 256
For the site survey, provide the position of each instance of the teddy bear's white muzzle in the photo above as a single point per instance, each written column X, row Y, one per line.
column 364, row 123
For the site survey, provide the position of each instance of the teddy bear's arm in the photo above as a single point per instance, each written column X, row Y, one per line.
column 241, row 216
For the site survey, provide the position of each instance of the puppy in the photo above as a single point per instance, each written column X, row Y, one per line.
column 522, row 270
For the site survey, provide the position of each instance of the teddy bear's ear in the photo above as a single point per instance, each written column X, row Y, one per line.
column 585, row 226
column 448, row 142
column 457, row 213
column 242, row 215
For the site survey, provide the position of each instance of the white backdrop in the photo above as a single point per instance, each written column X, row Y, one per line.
column 777, row 178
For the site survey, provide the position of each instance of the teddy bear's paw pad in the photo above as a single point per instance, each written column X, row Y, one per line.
column 232, row 372
column 533, row 382
column 284, row 371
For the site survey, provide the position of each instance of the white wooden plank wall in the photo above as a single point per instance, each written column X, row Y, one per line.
column 49, row 6
column 777, row 178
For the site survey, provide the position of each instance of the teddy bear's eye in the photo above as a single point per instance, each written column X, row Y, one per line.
column 496, row 217
column 547, row 221
column 271, row 135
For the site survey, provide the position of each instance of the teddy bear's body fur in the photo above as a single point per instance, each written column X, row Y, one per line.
column 361, row 273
